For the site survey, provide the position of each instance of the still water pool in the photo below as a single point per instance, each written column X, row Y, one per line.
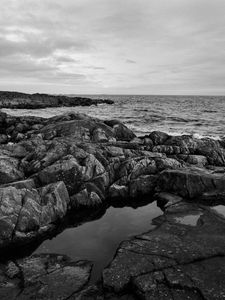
column 98, row 240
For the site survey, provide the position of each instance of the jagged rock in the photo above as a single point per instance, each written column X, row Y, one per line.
column 84, row 199
column 28, row 210
column 9, row 169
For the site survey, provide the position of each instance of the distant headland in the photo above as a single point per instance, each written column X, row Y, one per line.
column 33, row 101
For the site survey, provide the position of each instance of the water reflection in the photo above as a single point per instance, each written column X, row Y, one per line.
column 98, row 240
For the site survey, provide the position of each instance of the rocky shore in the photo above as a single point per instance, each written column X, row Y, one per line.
column 33, row 101
column 50, row 168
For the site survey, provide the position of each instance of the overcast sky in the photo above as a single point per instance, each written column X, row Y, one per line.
column 113, row 46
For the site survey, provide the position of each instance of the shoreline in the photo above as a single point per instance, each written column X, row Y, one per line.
column 73, row 163
column 16, row 100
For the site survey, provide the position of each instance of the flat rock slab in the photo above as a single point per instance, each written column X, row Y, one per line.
column 45, row 276
column 174, row 261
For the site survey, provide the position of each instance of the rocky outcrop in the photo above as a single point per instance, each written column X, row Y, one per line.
column 34, row 101
column 81, row 162
column 71, row 163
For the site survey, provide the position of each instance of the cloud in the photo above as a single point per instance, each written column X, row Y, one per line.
column 105, row 46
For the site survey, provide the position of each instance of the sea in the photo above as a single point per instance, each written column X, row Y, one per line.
column 201, row 116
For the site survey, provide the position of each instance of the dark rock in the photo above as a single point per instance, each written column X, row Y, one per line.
column 143, row 185
column 168, row 262
column 118, row 191
column 190, row 183
column 3, row 139
column 44, row 276
column 84, row 199
column 158, row 137
column 122, row 133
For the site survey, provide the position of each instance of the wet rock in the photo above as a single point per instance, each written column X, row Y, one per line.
column 165, row 200
column 168, row 262
column 44, row 276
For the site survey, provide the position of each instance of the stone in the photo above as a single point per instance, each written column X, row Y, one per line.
column 158, row 137
column 190, row 183
column 121, row 132
column 118, row 191
column 9, row 169
column 83, row 199
column 45, row 276
column 3, row 138
column 142, row 186
column 198, row 160
column 174, row 261
column 67, row 170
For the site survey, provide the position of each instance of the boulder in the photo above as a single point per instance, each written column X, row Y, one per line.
column 121, row 132
column 9, row 169
column 24, row 211
column 158, row 137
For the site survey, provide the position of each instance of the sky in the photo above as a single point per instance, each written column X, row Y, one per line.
column 113, row 46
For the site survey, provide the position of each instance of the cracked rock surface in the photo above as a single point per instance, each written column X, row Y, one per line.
column 46, row 276
column 50, row 168
column 173, row 261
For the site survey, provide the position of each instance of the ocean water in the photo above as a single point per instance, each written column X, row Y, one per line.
column 197, row 115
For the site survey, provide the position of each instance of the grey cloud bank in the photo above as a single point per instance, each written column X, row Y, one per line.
column 119, row 46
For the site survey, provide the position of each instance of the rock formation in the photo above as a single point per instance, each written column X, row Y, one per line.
column 52, row 167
